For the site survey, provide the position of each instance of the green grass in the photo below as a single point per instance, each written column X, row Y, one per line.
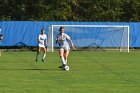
column 90, row 72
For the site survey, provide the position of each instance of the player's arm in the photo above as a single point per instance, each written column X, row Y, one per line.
column 57, row 40
column 39, row 41
column 46, row 43
column 72, row 44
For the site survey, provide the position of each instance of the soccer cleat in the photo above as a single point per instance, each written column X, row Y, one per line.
column 62, row 66
column 42, row 60
column 36, row 60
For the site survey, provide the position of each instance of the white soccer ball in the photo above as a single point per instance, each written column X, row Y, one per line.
column 66, row 68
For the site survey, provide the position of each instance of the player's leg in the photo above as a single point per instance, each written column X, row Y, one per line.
column 61, row 54
column 66, row 54
column 38, row 51
column 44, row 55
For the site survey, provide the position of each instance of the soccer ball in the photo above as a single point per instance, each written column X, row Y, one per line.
column 66, row 68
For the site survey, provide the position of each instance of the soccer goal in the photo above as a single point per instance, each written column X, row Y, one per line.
column 93, row 37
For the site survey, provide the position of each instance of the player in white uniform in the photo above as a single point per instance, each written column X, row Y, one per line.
column 64, row 47
column 41, row 44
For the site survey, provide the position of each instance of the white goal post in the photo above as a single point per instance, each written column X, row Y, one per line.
column 103, row 36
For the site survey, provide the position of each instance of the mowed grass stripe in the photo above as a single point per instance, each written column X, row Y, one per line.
column 90, row 72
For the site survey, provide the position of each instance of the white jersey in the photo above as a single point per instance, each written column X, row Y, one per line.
column 42, row 39
column 62, row 40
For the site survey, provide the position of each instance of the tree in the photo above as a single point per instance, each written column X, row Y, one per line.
column 71, row 10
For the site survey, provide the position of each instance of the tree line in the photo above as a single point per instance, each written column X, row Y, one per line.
column 71, row 10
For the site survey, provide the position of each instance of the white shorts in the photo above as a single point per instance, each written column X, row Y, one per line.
column 41, row 45
column 64, row 48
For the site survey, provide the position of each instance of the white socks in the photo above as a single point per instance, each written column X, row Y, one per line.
column 43, row 57
column 66, row 61
column 63, row 60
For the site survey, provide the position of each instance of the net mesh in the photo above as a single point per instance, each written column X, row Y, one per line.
column 93, row 37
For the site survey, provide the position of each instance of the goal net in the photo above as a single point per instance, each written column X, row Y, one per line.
column 93, row 37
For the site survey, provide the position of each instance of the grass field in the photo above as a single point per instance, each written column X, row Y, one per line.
column 90, row 72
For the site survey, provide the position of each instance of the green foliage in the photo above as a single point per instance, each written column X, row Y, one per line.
column 71, row 10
